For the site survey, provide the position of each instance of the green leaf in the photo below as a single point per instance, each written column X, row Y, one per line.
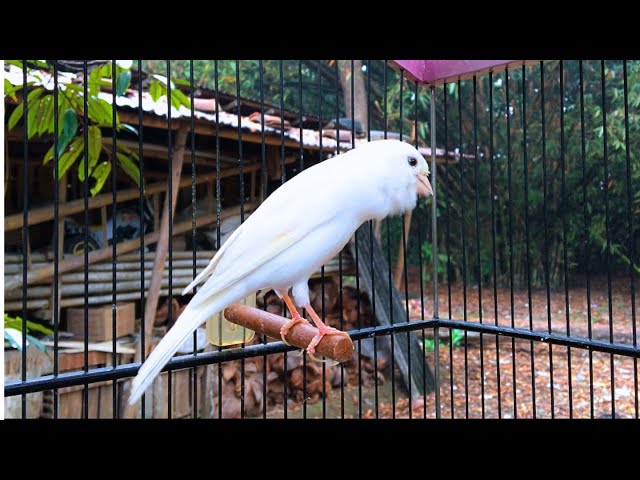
column 46, row 122
column 180, row 98
column 129, row 167
column 156, row 90
column 10, row 90
column 48, row 156
column 31, row 117
column 15, row 117
column 70, row 122
column 181, row 81
column 100, row 174
column 100, row 111
column 123, row 81
column 69, row 157
column 34, row 95
column 95, row 145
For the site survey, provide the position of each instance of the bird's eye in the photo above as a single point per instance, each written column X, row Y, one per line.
column 413, row 162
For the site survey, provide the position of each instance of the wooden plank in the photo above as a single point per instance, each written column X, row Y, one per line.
column 421, row 376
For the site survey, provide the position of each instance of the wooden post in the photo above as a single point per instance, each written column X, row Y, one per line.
column 420, row 376
column 163, row 241
column 401, row 249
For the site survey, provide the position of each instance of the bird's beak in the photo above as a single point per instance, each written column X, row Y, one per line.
column 424, row 187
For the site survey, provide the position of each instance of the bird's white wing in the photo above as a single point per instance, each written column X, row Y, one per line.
column 286, row 217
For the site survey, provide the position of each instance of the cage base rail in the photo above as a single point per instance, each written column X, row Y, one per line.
column 208, row 358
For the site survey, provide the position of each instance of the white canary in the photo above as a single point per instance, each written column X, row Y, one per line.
column 296, row 230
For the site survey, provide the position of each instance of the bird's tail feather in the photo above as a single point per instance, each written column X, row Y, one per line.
column 190, row 319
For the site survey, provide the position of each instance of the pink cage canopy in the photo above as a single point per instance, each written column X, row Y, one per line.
column 434, row 72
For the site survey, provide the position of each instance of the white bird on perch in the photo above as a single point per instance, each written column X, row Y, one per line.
column 317, row 212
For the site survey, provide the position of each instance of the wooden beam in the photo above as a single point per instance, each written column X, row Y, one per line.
column 77, row 261
column 407, row 347
column 153, row 294
column 44, row 214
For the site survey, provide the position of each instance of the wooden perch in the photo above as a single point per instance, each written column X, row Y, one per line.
column 335, row 347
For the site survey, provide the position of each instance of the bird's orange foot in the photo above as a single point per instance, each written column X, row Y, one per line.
column 297, row 318
column 322, row 331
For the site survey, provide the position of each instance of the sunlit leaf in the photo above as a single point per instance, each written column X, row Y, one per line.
column 100, row 174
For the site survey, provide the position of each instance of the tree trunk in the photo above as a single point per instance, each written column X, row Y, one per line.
column 359, row 91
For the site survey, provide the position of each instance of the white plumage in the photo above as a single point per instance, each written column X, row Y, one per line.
column 296, row 230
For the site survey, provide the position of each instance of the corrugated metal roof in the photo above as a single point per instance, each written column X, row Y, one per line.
column 160, row 108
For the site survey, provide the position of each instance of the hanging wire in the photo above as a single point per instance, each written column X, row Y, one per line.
column 632, row 288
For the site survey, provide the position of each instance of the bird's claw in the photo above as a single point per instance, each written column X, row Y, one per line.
column 328, row 361
column 287, row 326
column 322, row 331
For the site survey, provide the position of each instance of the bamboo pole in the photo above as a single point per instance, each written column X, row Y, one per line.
column 162, row 247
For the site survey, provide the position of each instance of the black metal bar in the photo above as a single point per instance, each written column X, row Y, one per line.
column 587, row 227
column 218, row 208
column 477, row 210
column 321, row 151
column 464, row 252
column 301, row 152
column 25, row 227
column 114, row 210
column 264, row 178
column 434, row 243
column 141, row 206
column 170, row 215
column 510, row 235
column 632, row 248
column 526, row 228
column 447, row 245
column 404, row 254
column 194, row 224
column 605, row 188
column 56, row 234
column 420, row 227
column 283, row 178
column 545, row 223
column 358, row 319
column 85, row 196
column 493, row 239
column 371, row 236
column 217, row 357
column 340, row 282
column 241, row 181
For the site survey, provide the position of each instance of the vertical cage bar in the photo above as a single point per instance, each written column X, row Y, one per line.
column 434, row 243
column 142, row 231
column 587, row 226
column 510, row 240
column 340, row 282
column 241, row 180
column 264, row 178
column 605, row 187
column 565, row 258
column 545, row 210
column 420, row 240
column 493, row 239
column 85, row 198
column 358, row 319
column 25, row 226
column 446, row 191
column 527, row 237
column 632, row 247
column 478, row 269
column 464, row 252
column 170, row 214
column 216, row 78
column 56, row 235
column 114, row 210
column 283, row 178
column 301, row 153
column 194, row 224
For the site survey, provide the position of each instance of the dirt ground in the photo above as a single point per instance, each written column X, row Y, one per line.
column 478, row 380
